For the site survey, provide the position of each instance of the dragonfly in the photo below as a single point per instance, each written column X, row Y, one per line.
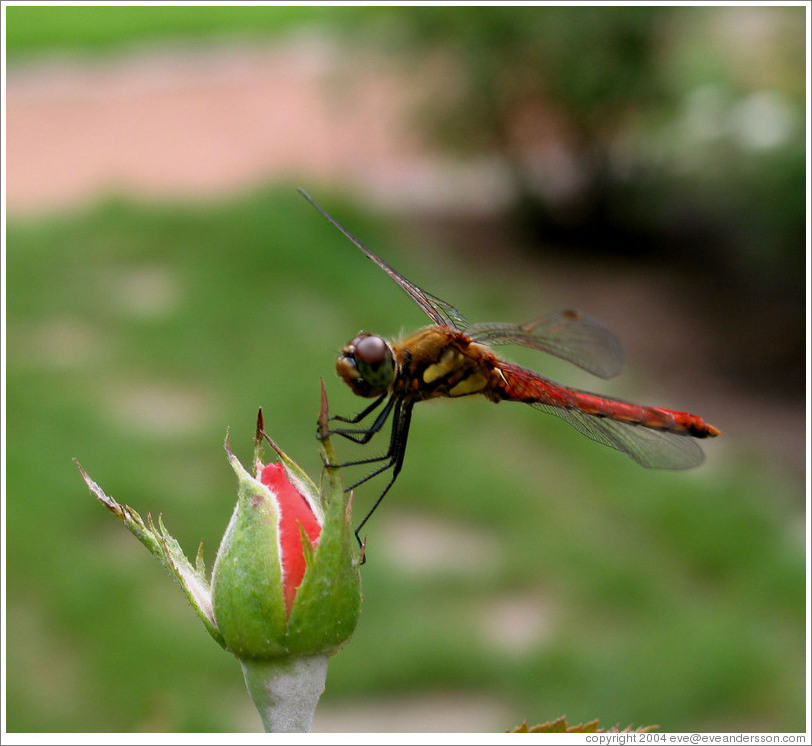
column 453, row 358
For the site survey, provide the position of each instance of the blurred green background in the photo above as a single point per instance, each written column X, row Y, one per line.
column 517, row 570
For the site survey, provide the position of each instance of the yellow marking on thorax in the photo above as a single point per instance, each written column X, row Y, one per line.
column 449, row 360
column 471, row 385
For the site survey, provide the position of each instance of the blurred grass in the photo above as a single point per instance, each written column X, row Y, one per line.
column 33, row 29
column 138, row 332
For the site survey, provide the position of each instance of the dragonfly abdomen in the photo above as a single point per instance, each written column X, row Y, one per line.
column 654, row 418
column 514, row 383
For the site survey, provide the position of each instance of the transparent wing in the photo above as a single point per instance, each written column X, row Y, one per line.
column 435, row 308
column 654, row 449
column 569, row 335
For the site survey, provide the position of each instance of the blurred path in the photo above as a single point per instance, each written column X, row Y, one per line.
column 191, row 123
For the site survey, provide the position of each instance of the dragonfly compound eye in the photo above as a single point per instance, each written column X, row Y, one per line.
column 375, row 361
column 367, row 365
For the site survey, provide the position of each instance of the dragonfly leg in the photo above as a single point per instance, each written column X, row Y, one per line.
column 364, row 435
column 348, row 433
column 362, row 414
column 393, row 457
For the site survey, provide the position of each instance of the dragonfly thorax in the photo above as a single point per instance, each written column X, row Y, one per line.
column 367, row 365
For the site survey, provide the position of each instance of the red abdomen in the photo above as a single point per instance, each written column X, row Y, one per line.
column 514, row 383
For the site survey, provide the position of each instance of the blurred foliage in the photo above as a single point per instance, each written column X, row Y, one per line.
column 591, row 63
column 624, row 127
column 561, row 577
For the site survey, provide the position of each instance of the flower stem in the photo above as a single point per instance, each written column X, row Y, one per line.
column 286, row 691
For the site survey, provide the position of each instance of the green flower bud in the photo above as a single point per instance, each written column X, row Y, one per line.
column 285, row 581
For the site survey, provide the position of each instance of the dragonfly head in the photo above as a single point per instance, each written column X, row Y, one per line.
column 367, row 365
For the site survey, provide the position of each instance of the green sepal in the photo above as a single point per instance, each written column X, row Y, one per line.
column 247, row 593
column 328, row 602
column 166, row 548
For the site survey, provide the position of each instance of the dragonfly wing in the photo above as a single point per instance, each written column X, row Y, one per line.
column 438, row 310
column 654, row 449
column 569, row 335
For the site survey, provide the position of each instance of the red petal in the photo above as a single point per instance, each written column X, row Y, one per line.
column 294, row 511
